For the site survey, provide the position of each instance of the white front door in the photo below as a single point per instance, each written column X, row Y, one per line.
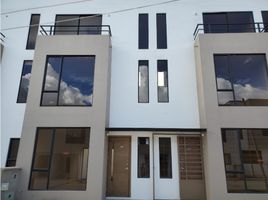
column 166, row 176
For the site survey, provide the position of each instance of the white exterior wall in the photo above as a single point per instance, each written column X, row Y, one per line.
column 125, row 111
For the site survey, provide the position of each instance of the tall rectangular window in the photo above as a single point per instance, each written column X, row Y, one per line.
column 33, row 30
column 162, row 80
column 241, row 79
column 246, row 158
column 143, row 157
column 143, row 31
column 265, row 20
column 143, row 82
column 228, row 22
column 60, row 159
column 165, row 158
column 161, row 27
column 68, row 81
column 78, row 24
column 25, row 81
column 12, row 152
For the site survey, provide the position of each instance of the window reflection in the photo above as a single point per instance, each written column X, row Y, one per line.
column 25, row 81
column 143, row 81
column 76, row 78
column 162, row 81
column 241, row 79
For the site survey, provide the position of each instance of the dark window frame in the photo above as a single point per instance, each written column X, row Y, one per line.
column 171, row 162
column 140, row 63
column 60, row 74
column 223, row 131
column 30, row 28
column 158, row 64
column 53, row 132
column 21, row 80
column 231, row 81
column 161, row 32
column 227, row 23
column 143, row 32
column 149, row 171
column 10, row 150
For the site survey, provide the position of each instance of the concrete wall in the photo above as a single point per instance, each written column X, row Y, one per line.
column 215, row 117
column 94, row 117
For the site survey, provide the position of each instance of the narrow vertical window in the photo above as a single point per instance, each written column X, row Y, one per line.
column 143, row 157
column 265, row 20
column 161, row 26
column 24, row 81
column 143, row 81
column 143, row 31
column 33, row 30
column 162, row 81
column 12, row 152
column 165, row 158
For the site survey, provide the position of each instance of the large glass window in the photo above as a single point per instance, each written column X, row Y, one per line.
column 143, row 31
column 60, row 159
column 246, row 158
column 25, row 81
column 12, row 152
column 265, row 20
column 161, row 27
column 165, row 158
column 242, row 80
column 143, row 82
column 143, row 157
column 228, row 22
column 78, row 24
column 33, row 30
column 69, row 81
column 162, row 81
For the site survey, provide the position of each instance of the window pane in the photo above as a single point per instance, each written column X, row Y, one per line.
column 90, row 20
column 225, row 98
column 161, row 27
column 66, row 25
column 249, row 75
column 222, row 72
column 215, row 23
column 42, row 150
column 143, row 157
column 162, row 81
column 77, row 79
column 52, row 73
column 68, row 167
column 265, row 20
column 49, row 99
column 143, row 81
column 165, row 158
column 246, row 170
column 143, row 31
column 39, row 180
column 33, row 30
column 12, row 152
column 243, row 22
column 25, row 81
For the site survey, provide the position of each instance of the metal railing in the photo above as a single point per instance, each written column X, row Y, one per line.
column 76, row 30
column 2, row 36
column 230, row 28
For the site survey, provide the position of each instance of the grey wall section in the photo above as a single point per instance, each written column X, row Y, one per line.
column 214, row 117
column 94, row 117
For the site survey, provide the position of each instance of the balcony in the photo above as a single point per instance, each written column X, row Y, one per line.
column 257, row 27
column 75, row 30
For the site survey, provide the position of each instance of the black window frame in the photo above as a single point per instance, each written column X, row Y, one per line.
column 21, row 81
column 228, row 23
column 53, row 131
column 161, row 30
column 60, row 74
column 31, row 26
column 143, row 33
column 146, row 63
column 9, row 159
column 229, row 66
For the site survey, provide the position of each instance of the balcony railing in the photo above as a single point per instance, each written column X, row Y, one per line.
column 230, row 28
column 76, row 30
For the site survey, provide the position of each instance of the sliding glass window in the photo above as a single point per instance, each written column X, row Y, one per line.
column 162, row 81
column 143, row 82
